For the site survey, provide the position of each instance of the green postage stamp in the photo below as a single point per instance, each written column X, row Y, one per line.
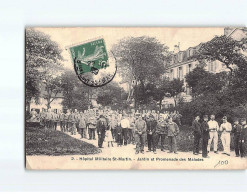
column 89, row 59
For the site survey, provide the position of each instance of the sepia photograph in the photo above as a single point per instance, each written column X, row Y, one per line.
column 135, row 98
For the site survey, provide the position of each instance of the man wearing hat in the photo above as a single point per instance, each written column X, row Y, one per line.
column 101, row 128
column 205, row 136
column 213, row 133
column 243, row 138
column 225, row 129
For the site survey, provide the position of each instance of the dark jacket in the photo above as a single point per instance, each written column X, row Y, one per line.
column 243, row 134
column 161, row 127
column 196, row 126
column 151, row 126
column 205, row 130
column 236, row 129
column 101, row 125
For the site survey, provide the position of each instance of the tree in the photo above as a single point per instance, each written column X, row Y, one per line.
column 224, row 49
column 141, row 59
column 194, row 77
column 112, row 95
column 175, row 87
column 42, row 55
column 76, row 94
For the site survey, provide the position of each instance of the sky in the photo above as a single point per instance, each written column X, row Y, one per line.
column 186, row 37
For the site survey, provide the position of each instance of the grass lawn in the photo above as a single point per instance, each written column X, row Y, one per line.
column 44, row 142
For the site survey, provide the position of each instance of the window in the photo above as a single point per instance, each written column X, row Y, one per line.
column 180, row 73
column 171, row 74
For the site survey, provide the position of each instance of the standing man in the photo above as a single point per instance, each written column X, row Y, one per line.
column 92, row 127
column 236, row 130
column 151, row 133
column 125, row 124
column 225, row 129
column 196, row 127
column 173, row 132
column 213, row 133
column 205, row 136
column 82, row 124
column 161, row 132
column 243, row 139
column 77, row 116
column 140, row 127
column 101, row 128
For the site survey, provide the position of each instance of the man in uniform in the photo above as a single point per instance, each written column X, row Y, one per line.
column 225, row 129
column 140, row 131
column 161, row 132
column 151, row 133
column 91, row 127
column 82, row 124
column 61, row 120
column 196, row 127
column 213, row 133
column 173, row 131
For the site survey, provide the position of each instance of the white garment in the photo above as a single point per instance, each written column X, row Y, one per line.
column 125, row 123
column 213, row 125
column 108, row 136
column 213, row 136
column 226, row 140
column 226, row 127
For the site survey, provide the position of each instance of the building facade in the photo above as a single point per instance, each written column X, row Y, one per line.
column 181, row 63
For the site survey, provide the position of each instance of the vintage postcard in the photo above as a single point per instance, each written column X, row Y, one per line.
column 135, row 98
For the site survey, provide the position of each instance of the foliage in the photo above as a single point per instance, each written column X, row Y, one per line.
column 75, row 93
column 112, row 95
column 43, row 57
column 140, row 58
column 224, row 49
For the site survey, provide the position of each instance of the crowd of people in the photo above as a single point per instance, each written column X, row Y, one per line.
column 151, row 126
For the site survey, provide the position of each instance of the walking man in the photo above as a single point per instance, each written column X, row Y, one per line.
column 196, row 127
column 213, row 133
column 140, row 130
column 225, row 129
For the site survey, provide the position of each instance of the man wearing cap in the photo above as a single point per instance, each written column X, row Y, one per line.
column 236, row 129
column 205, row 136
column 243, row 138
column 213, row 133
column 196, row 127
column 225, row 129
column 140, row 131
